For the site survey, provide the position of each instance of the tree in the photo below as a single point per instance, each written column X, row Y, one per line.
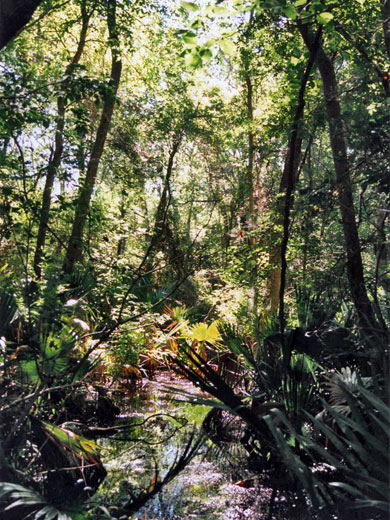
column 55, row 159
column 75, row 245
column 360, row 298
column 14, row 15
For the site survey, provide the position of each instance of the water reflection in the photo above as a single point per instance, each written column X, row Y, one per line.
column 159, row 429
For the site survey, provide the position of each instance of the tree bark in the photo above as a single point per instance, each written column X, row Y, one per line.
column 249, row 188
column 291, row 174
column 74, row 249
column 293, row 156
column 386, row 25
column 338, row 143
column 55, row 161
column 277, row 258
column 245, row 187
column 251, row 143
column 14, row 15
column 246, row 197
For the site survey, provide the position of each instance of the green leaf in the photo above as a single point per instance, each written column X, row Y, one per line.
column 206, row 55
column 324, row 18
column 197, row 24
column 202, row 332
column 290, row 12
column 210, row 43
column 294, row 61
column 189, row 6
column 227, row 46
column 88, row 446
column 193, row 60
column 30, row 369
column 190, row 39
column 300, row 2
column 221, row 11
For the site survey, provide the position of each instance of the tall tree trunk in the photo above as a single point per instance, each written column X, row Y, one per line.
column 338, row 143
column 251, row 144
column 14, row 15
column 245, row 187
column 55, row 160
column 292, row 160
column 122, row 242
column 158, row 234
column 249, row 187
column 386, row 25
column 277, row 258
column 292, row 168
column 308, row 170
column 74, row 249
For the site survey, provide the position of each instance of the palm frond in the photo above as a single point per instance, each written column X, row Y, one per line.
column 358, row 453
column 9, row 311
column 24, row 499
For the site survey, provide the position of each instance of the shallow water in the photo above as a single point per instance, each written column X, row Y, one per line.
column 207, row 488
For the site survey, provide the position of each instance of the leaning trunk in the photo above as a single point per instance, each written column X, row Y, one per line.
column 277, row 257
column 290, row 170
column 338, row 143
column 74, row 249
column 55, row 160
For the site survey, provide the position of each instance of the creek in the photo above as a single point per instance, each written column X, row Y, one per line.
column 157, row 426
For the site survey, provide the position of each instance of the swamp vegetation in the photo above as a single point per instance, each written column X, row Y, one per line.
column 194, row 259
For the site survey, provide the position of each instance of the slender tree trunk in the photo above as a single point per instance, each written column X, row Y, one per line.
column 338, row 143
column 306, row 231
column 55, row 160
column 14, row 15
column 189, row 221
column 74, row 249
column 163, row 236
column 163, row 206
column 277, row 237
column 122, row 242
column 277, row 258
column 158, row 234
column 249, row 188
column 245, row 188
column 386, row 25
column 292, row 168
column 251, row 144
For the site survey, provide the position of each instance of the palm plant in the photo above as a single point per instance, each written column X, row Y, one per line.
column 20, row 502
column 9, row 311
column 351, row 473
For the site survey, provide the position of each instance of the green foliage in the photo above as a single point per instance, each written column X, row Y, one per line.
column 200, row 332
column 357, row 456
column 126, row 345
column 313, row 310
column 27, row 500
column 78, row 445
column 187, row 208
column 53, row 360
column 9, row 312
